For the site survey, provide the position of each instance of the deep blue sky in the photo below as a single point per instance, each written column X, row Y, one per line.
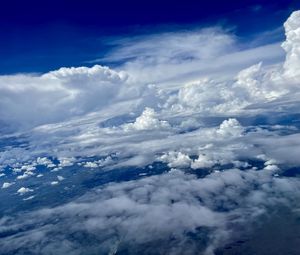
column 38, row 36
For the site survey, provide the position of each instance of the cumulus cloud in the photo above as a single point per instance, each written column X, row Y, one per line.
column 203, row 161
column 45, row 162
column 292, row 45
column 176, row 159
column 97, row 163
column 204, row 96
column 147, row 121
column 31, row 100
column 24, row 190
column 230, row 127
column 257, row 84
column 6, row 185
column 60, row 178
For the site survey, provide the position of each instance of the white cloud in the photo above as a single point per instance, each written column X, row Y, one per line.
column 203, row 161
column 292, row 45
column 23, row 176
column 60, row 178
column 230, row 128
column 178, row 57
column 24, row 190
column 205, row 96
column 45, row 161
column 90, row 164
column 176, row 159
column 6, row 185
column 98, row 163
column 29, row 100
column 272, row 168
column 147, row 121
column 251, row 80
column 28, row 168
column 28, row 198
column 170, row 207
column 63, row 161
column 179, row 67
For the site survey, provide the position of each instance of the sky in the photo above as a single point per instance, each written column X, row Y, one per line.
column 43, row 36
column 149, row 127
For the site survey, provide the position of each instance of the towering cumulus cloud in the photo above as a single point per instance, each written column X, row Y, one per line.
column 30, row 100
column 292, row 45
column 177, row 150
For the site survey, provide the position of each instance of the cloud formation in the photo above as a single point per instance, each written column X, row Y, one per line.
column 31, row 100
column 292, row 45
column 154, row 215
column 147, row 121
column 224, row 155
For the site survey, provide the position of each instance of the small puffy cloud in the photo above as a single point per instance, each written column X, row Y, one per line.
column 203, row 161
column 29, row 168
column 90, row 164
column 63, row 161
column 176, row 159
column 97, row 163
column 60, row 178
column 23, row 176
column 270, row 161
column 6, row 185
column 147, row 121
column 45, row 162
column 24, row 190
column 271, row 167
column 230, row 128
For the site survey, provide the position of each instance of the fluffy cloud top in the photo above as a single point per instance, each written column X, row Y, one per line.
column 31, row 100
column 292, row 45
column 230, row 127
column 147, row 121
column 176, row 159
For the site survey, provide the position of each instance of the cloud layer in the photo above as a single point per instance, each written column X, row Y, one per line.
column 227, row 139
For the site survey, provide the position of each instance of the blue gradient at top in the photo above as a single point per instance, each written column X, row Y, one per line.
column 38, row 36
